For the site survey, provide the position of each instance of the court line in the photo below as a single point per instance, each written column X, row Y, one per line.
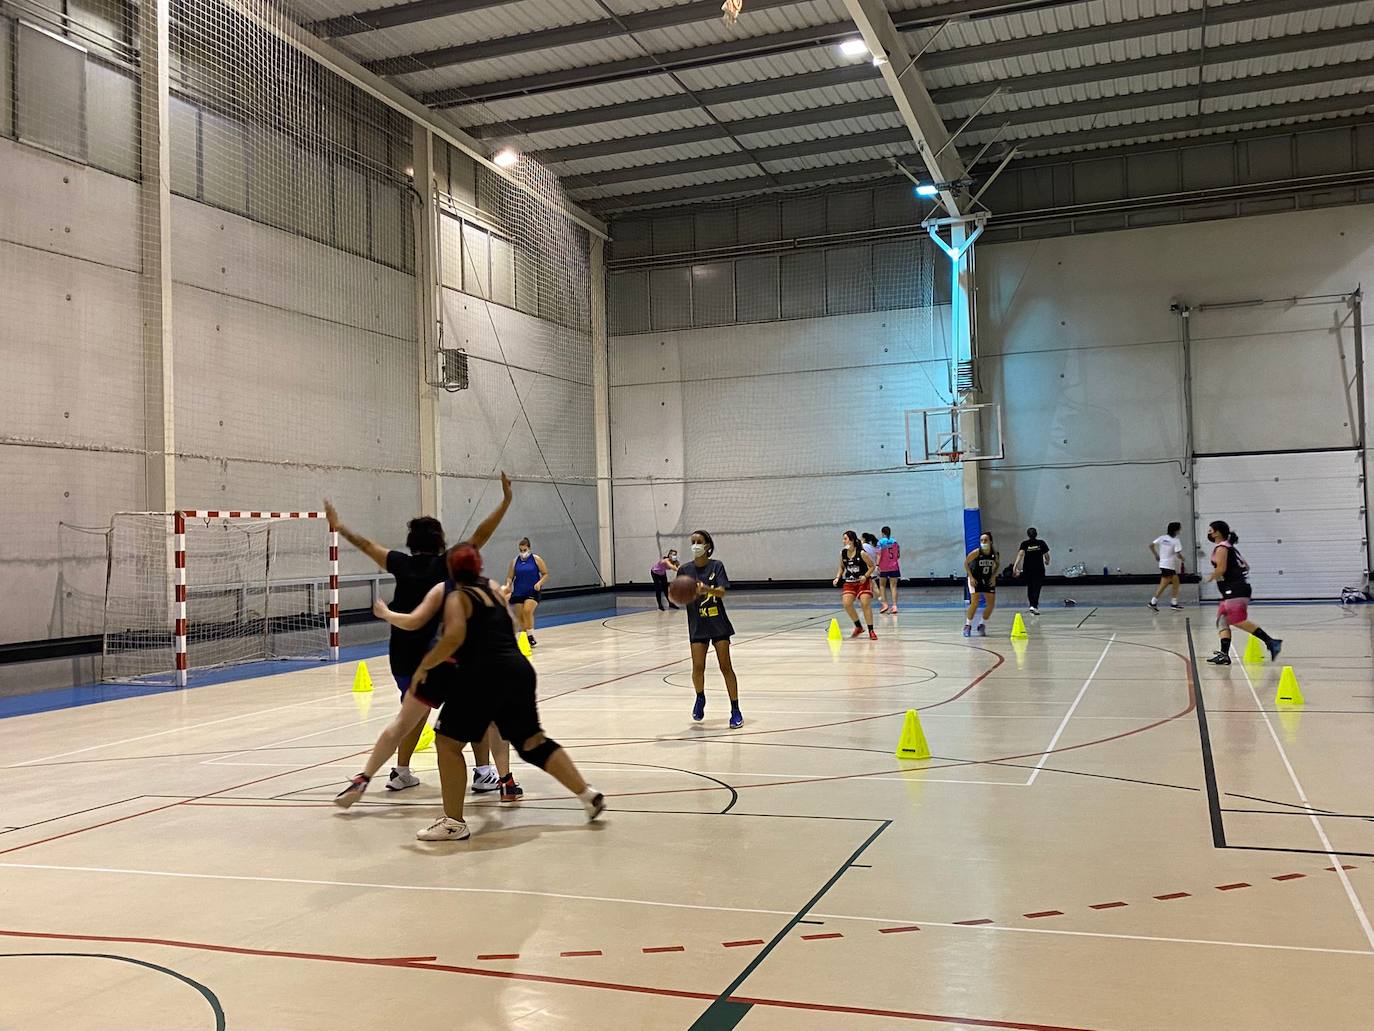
column 462, row 890
column 1069, row 715
column 355, row 722
column 1209, row 768
column 172, row 730
column 1339, row 870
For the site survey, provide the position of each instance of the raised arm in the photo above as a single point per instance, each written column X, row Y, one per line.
column 455, row 633
column 371, row 549
column 488, row 526
column 416, row 619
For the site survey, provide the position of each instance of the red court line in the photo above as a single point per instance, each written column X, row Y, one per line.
column 1109, row 905
column 1174, row 895
column 821, row 937
column 1332, row 869
column 1044, row 912
column 1288, row 877
column 588, row 952
column 1232, row 887
column 897, row 930
column 511, row 975
column 501, row 955
column 747, row 941
column 971, row 923
column 665, row 948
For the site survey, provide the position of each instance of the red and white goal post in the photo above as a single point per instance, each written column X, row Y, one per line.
column 205, row 588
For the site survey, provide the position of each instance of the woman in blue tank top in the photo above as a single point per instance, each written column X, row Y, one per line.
column 525, row 580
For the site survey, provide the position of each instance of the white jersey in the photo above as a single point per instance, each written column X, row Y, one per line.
column 1170, row 552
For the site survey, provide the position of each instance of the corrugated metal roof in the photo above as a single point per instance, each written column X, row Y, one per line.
column 666, row 183
column 639, row 159
column 476, row 26
column 759, row 68
column 821, row 131
column 814, row 100
column 751, row 23
column 590, row 97
column 622, row 129
column 515, row 65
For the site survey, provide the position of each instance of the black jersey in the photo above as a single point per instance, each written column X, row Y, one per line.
column 706, row 616
column 984, row 566
column 415, row 575
column 855, row 568
column 490, row 641
column 1235, row 582
column 1035, row 551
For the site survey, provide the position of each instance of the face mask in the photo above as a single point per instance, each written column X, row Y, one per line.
column 698, row 550
column 985, row 546
column 524, row 552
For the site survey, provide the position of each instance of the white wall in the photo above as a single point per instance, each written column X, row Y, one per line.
column 776, row 437
column 1080, row 347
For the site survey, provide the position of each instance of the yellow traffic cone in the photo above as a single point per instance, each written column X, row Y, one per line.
column 1018, row 629
column 913, row 741
column 426, row 741
column 1289, row 693
column 1254, row 651
column 522, row 641
column 362, row 701
column 833, row 634
column 362, row 679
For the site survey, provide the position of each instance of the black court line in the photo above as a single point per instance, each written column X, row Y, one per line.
column 1299, row 806
column 215, row 1007
column 1333, row 854
column 1085, row 619
column 1301, row 812
column 724, row 1013
column 1209, row 770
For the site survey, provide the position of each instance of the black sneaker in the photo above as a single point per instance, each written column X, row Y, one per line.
column 1220, row 659
column 1153, row 606
column 1275, row 646
column 533, row 642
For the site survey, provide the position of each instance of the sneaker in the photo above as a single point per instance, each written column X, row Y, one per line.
column 1275, row 646
column 699, row 708
column 595, row 807
column 1153, row 607
column 1175, row 606
column 353, row 792
column 968, row 630
column 674, row 608
column 444, row 829
column 883, row 609
column 858, row 632
column 872, row 635
column 1220, row 659
column 510, row 791
column 533, row 642
column 1034, row 611
column 736, row 719
column 484, row 779
column 982, row 630
column 893, row 610
column 400, row 781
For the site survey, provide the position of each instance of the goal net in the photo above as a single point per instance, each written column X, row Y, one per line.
column 194, row 590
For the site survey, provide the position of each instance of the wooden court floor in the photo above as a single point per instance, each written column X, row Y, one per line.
column 1088, row 847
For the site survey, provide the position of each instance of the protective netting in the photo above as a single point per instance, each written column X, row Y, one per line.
column 255, row 589
column 260, row 337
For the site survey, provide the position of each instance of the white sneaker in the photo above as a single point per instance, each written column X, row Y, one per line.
column 400, row 781
column 444, row 830
column 1034, row 611
column 595, row 807
column 484, row 778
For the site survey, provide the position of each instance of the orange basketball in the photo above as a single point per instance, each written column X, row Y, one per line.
column 683, row 589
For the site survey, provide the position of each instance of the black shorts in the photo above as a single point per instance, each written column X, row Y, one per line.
column 504, row 696
column 441, row 684
column 520, row 599
column 983, row 587
column 1167, row 574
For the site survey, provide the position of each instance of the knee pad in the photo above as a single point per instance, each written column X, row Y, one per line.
column 540, row 754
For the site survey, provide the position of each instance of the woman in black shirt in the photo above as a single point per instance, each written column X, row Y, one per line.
column 708, row 625
column 1032, row 559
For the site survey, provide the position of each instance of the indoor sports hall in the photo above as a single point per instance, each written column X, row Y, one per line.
column 870, row 498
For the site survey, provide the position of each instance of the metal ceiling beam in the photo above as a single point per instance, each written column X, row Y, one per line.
column 401, row 14
column 805, row 39
column 1184, row 59
column 1117, row 134
column 1026, row 116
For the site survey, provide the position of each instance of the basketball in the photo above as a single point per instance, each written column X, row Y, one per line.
column 682, row 590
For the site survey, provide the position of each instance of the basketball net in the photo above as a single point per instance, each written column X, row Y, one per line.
column 730, row 10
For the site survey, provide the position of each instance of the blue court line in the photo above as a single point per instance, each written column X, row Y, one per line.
column 94, row 694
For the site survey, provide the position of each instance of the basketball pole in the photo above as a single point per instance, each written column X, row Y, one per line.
column 961, row 331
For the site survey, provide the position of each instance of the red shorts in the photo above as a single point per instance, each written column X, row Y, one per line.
column 1232, row 611
column 857, row 590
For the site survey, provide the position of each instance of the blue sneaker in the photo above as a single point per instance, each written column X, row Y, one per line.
column 1275, row 646
column 968, row 630
column 736, row 718
column 699, row 708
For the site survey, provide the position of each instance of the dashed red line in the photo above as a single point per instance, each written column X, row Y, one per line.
column 1233, row 887
column 746, row 941
column 972, row 923
column 585, row 952
column 665, row 948
column 1288, row 877
column 1175, row 895
column 1332, row 869
column 821, row 937
column 898, row 930
column 501, row 955
column 1043, row 912
column 1109, row 905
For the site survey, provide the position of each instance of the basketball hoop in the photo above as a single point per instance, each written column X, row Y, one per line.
column 951, row 456
column 951, row 460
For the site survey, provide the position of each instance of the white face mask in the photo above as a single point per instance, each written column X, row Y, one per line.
column 698, row 550
column 985, row 545
column 524, row 552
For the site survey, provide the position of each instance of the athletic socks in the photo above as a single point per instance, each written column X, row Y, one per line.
column 1154, row 601
column 858, row 625
column 1263, row 636
column 1225, row 646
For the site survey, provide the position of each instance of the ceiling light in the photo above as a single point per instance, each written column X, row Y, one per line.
column 854, row 48
column 505, row 158
column 927, row 190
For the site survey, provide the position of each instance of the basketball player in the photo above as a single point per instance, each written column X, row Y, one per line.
column 1032, row 558
column 1168, row 552
column 524, row 581
column 665, row 565
column 981, row 566
column 889, row 570
column 1232, row 575
column 708, row 625
column 414, row 577
column 479, row 635
column 856, row 570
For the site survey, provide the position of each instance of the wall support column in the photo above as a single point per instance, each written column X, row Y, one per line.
column 601, row 412
column 962, row 320
column 427, row 316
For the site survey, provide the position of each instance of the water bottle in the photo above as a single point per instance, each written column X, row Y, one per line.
column 1105, row 572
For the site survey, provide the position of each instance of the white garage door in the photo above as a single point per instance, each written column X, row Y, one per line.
column 1300, row 518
